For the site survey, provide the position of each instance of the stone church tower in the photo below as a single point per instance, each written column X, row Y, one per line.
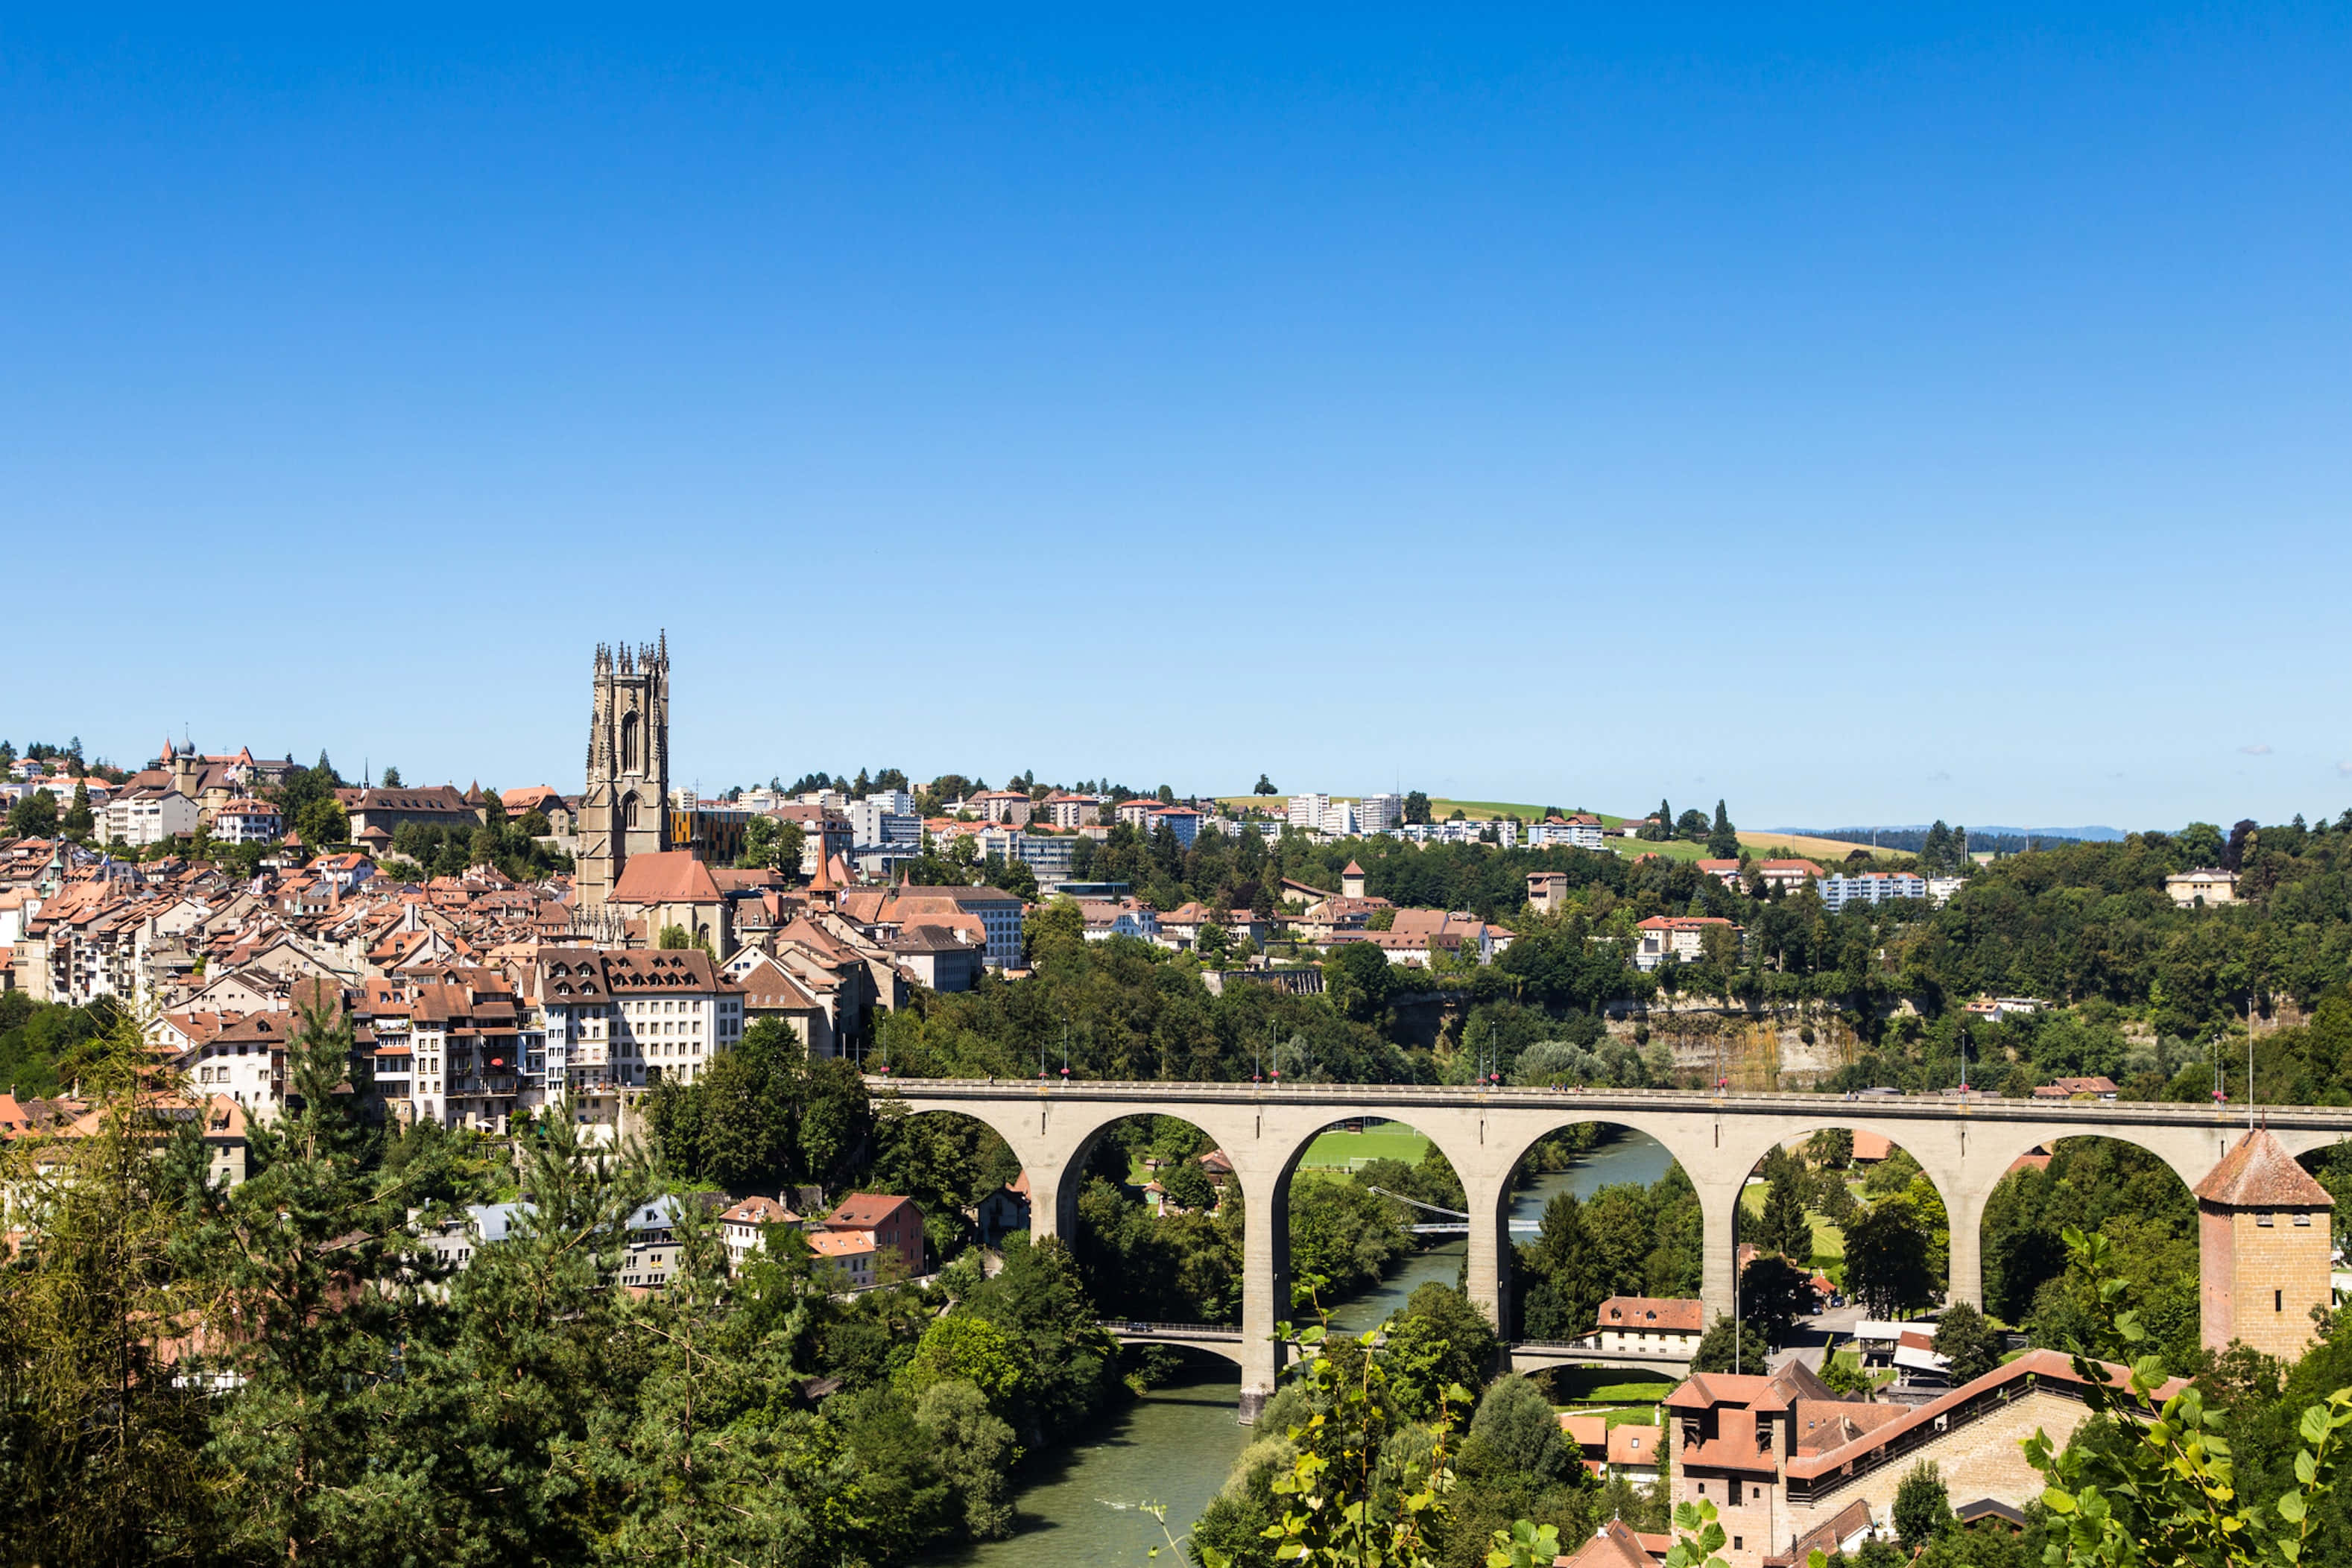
column 625, row 809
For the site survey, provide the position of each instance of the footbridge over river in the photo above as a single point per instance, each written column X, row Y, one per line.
column 1964, row 1145
column 1525, row 1356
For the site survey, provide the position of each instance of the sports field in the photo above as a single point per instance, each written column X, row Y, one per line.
column 1344, row 1150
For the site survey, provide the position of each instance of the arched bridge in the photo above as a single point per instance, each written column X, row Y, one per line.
column 1964, row 1146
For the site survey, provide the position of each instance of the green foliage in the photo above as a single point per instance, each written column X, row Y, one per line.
column 1440, row 1343
column 1720, row 1350
column 1773, row 1293
column 1783, row 1226
column 1968, row 1340
column 1921, row 1508
column 764, row 1114
column 1887, row 1263
column 34, row 817
column 1351, row 1498
column 2167, row 1491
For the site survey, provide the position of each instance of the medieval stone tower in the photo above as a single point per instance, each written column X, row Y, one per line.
column 625, row 809
column 2263, row 1229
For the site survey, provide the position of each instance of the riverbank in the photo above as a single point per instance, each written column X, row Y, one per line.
column 1082, row 1506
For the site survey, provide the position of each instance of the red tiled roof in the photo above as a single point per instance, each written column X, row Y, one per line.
column 666, row 877
column 1653, row 1314
column 2260, row 1173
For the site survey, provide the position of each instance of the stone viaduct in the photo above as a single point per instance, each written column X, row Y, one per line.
column 1965, row 1147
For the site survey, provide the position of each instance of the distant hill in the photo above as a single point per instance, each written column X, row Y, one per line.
column 1909, row 837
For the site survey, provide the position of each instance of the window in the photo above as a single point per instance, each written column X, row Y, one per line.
column 2303, row 1218
column 2278, row 1300
column 2262, row 1219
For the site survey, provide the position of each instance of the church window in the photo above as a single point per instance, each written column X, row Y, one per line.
column 629, row 811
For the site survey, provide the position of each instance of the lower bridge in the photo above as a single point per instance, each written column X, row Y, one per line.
column 1525, row 1355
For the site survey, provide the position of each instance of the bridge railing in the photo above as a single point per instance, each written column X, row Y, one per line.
column 1180, row 1331
column 1913, row 1105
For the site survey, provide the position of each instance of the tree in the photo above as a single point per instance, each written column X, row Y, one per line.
column 1773, row 1295
column 976, row 1453
column 1723, row 840
column 1969, row 1341
column 1783, row 1227
column 1188, row 1186
column 1416, row 807
column 313, row 1257
column 1831, row 1148
column 391, row 778
column 34, row 817
column 1516, row 1425
column 770, row 844
column 1717, row 1348
column 81, row 821
column 1264, row 786
column 1571, row 1280
column 1921, row 1508
column 324, row 822
column 103, row 1449
column 1441, row 1340
column 1887, row 1262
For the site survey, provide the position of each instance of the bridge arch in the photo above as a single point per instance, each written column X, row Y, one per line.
column 1438, row 1189
column 1167, row 1255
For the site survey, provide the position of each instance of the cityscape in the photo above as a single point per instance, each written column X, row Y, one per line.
column 1390, row 1081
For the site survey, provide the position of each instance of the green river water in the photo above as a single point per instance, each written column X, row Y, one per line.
column 1080, row 1508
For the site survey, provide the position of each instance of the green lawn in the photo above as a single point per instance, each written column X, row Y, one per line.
column 1583, row 1385
column 1343, row 1150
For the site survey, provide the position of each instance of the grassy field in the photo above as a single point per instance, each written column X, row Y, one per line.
column 1798, row 846
column 1341, row 1150
column 1583, row 1385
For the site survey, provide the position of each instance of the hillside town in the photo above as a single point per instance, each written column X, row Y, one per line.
column 621, row 965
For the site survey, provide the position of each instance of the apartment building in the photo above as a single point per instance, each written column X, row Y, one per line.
column 1871, row 888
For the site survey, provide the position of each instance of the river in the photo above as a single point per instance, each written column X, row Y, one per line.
column 1079, row 1507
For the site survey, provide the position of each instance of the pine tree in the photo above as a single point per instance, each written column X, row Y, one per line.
column 1784, row 1227
column 101, row 1449
column 1723, row 839
column 314, row 1260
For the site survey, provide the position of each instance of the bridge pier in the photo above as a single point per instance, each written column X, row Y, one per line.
column 1488, row 1274
column 1266, row 1284
column 1719, row 1204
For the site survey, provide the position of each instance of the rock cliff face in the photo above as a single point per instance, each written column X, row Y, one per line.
column 1755, row 1051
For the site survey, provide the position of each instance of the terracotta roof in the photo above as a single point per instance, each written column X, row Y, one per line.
column 1585, row 1431
column 2260, row 1173
column 666, row 877
column 2047, row 1365
column 841, row 1242
column 1637, row 1445
column 760, row 1211
column 1614, row 1546
column 864, row 1211
column 1825, row 1536
column 1872, row 1145
column 1653, row 1314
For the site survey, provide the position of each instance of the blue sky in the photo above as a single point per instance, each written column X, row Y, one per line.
column 1859, row 416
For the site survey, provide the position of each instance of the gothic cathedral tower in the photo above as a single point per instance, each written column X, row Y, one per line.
column 625, row 810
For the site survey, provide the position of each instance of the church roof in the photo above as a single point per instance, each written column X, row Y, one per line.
column 666, row 877
column 2260, row 1173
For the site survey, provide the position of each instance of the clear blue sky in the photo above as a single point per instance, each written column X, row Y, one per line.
column 1861, row 416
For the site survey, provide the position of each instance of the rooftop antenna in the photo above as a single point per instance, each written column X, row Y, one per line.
column 2250, row 1075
